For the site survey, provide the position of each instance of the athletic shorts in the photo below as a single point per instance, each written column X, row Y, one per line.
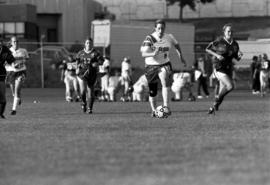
column 152, row 71
column 90, row 76
column 12, row 76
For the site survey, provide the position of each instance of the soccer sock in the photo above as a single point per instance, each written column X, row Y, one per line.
column 165, row 95
column 152, row 102
column 91, row 103
column 2, row 108
column 84, row 98
column 15, row 103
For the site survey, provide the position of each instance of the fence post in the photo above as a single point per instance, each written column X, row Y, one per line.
column 42, row 61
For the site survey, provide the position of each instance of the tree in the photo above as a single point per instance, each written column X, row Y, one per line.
column 183, row 3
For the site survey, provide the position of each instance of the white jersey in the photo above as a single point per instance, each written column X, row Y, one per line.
column 19, row 64
column 125, row 69
column 104, row 67
column 163, row 44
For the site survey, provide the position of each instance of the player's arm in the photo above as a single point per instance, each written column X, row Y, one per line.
column 209, row 49
column 179, row 53
column 147, row 49
column 178, row 49
column 239, row 54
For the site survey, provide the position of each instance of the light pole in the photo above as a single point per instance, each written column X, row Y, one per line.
column 42, row 60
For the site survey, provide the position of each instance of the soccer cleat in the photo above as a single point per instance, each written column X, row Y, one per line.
column 89, row 111
column 154, row 114
column 191, row 98
column 83, row 107
column 169, row 112
column 211, row 110
column 2, row 116
column 13, row 112
column 200, row 97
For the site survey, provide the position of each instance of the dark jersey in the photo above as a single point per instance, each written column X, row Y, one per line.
column 228, row 51
column 87, row 64
column 5, row 57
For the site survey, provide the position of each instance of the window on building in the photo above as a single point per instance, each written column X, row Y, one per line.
column 9, row 28
column 20, row 28
column 1, row 28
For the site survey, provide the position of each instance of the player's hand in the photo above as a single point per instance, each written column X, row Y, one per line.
column 220, row 57
column 240, row 54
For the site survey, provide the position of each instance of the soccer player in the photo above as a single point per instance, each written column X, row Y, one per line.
column 88, row 61
column 6, row 57
column 181, row 80
column 139, row 88
column 104, row 70
column 224, row 49
column 155, row 49
column 264, row 73
column 69, row 77
column 16, row 72
column 114, row 85
column 201, row 75
column 126, row 71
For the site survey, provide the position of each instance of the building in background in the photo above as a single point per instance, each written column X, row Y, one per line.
column 57, row 20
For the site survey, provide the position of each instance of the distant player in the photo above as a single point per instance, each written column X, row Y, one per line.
column 155, row 49
column 224, row 49
column 126, row 72
column 16, row 72
column 69, row 77
column 264, row 73
column 6, row 57
column 114, row 85
column 180, row 81
column 88, row 61
column 139, row 88
column 104, row 70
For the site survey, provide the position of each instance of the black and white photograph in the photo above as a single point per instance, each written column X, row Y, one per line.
column 134, row 92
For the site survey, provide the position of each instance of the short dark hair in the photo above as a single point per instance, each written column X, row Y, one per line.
column 160, row 21
column 88, row 38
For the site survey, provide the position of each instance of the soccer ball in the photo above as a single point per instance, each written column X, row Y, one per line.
column 162, row 111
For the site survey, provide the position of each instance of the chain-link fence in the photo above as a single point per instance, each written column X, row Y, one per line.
column 43, row 67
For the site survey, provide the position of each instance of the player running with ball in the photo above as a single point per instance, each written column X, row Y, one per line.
column 155, row 49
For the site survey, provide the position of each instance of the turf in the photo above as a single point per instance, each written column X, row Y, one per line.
column 51, row 142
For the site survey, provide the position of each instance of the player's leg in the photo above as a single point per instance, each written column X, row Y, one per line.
column 82, row 86
column 164, row 76
column 91, row 98
column 17, row 92
column 176, row 90
column 75, row 83
column 153, row 89
column 225, row 86
column 111, row 92
column 2, row 98
column 67, row 82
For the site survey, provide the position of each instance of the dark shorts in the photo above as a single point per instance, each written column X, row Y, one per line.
column 12, row 76
column 152, row 71
column 90, row 76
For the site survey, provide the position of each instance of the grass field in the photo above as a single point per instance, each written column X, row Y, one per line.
column 52, row 142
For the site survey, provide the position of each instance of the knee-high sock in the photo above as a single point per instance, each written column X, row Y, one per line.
column 165, row 96
column 152, row 101
column 15, row 103
column 91, row 102
column 2, row 108
column 221, row 96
